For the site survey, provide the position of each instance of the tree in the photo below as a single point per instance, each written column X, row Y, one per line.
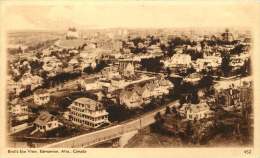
column 225, row 67
column 168, row 110
column 237, row 50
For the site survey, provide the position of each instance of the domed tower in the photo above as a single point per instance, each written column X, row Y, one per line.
column 227, row 36
column 72, row 33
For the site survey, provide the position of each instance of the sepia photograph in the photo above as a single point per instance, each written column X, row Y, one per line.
column 122, row 75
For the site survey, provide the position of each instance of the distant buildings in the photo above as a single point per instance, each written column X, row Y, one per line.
column 88, row 113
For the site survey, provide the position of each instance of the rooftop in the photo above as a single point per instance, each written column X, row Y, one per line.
column 89, row 103
column 44, row 118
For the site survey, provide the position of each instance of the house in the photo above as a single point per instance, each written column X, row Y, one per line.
column 208, row 62
column 234, row 97
column 13, row 87
column 146, row 94
column 30, row 80
column 41, row 97
column 237, row 61
column 19, row 110
column 110, row 72
column 127, row 67
column 73, row 62
column 90, row 57
column 88, row 113
column 90, row 83
column 198, row 111
column 165, row 85
column 178, row 60
column 46, row 122
column 131, row 99
column 193, row 78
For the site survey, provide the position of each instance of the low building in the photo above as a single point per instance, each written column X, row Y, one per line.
column 46, row 122
column 193, row 78
column 198, row 111
column 41, row 97
column 88, row 113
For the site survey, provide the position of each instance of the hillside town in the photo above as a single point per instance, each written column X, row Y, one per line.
column 82, row 81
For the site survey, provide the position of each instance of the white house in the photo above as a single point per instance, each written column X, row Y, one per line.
column 46, row 122
column 131, row 99
column 237, row 61
column 208, row 61
column 41, row 97
column 178, row 60
column 19, row 110
column 198, row 111
column 90, row 83
column 88, row 113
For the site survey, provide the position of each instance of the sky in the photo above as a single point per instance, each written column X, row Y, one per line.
column 42, row 16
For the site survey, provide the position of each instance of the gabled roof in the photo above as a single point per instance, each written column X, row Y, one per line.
column 44, row 118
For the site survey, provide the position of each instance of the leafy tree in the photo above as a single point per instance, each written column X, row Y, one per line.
column 237, row 50
column 168, row 110
column 225, row 67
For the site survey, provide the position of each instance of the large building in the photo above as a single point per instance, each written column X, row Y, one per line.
column 88, row 113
